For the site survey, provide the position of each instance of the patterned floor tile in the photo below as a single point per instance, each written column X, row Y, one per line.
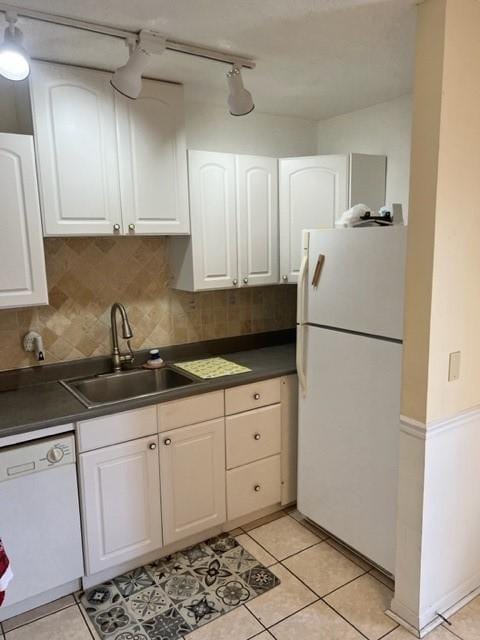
column 166, row 626
column 175, row 595
column 133, row 581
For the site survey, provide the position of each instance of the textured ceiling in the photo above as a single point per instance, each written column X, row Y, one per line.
column 315, row 58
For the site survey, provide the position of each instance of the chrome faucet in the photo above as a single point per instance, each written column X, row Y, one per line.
column 127, row 333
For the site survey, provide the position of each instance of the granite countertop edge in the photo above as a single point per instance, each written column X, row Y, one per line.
column 49, row 404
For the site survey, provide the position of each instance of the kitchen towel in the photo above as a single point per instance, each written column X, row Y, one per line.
column 212, row 368
column 6, row 573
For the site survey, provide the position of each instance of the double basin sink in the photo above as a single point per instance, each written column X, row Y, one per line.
column 126, row 385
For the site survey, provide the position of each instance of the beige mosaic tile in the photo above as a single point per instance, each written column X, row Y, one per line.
column 86, row 275
column 238, row 624
column 283, row 537
column 67, row 624
column 466, row 622
column 363, row 603
column 289, row 597
column 256, row 550
column 322, row 568
column 38, row 612
column 316, row 622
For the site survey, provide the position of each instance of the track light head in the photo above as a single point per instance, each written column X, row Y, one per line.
column 14, row 60
column 240, row 100
column 127, row 80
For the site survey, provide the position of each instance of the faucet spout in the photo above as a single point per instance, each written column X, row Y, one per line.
column 127, row 333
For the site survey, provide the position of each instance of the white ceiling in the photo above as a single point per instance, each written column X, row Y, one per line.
column 315, row 58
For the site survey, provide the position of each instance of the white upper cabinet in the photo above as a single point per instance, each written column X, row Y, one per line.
column 76, row 145
column 315, row 191
column 257, row 203
column 22, row 272
column 152, row 152
column 108, row 165
column 234, row 218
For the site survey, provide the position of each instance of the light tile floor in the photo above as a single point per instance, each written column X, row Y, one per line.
column 326, row 593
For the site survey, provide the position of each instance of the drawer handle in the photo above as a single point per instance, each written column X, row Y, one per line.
column 116, row 227
column 131, row 227
column 257, row 436
column 167, row 441
column 152, row 445
column 257, row 488
column 256, row 396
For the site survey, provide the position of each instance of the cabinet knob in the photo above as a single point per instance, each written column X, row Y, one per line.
column 234, row 282
column 167, row 441
column 245, row 281
column 131, row 227
column 257, row 436
column 152, row 445
column 285, row 278
column 257, row 488
column 256, row 396
column 116, row 227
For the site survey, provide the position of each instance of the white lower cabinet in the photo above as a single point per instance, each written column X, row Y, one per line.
column 149, row 478
column 192, row 473
column 120, row 490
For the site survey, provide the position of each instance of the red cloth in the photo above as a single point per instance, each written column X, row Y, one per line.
column 5, row 572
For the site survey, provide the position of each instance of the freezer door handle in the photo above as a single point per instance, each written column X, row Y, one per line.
column 302, row 280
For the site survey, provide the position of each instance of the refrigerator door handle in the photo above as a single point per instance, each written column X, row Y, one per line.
column 302, row 279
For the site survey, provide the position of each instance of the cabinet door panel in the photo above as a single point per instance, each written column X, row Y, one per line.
column 192, row 470
column 22, row 273
column 120, row 502
column 76, row 146
column 313, row 192
column 213, row 219
column 153, row 160
column 257, row 202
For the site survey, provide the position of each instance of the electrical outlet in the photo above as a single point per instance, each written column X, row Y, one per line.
column 454, row 366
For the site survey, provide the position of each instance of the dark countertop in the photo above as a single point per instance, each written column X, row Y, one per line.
column 45, row 404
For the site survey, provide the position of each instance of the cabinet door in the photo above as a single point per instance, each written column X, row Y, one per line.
column 213, row 219
column 22, row 273
column 192, row 472
column 312, row 193
column 257, row 202
column 76, row 146
column 120, row 495
column 153, row 160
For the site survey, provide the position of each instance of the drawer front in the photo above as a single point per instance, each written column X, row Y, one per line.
column 116, row 428
column 253, row 435
column 192, row 410
column 251, row 396
column 253, row 487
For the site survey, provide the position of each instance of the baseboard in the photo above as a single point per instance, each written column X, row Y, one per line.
column 16, row 609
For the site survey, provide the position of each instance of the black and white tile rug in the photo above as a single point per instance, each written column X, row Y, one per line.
column 173, row 596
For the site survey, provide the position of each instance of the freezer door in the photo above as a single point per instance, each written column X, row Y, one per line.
column 348, row 439
column 361, row 285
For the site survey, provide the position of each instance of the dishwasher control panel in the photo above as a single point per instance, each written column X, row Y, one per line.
column 39, row 455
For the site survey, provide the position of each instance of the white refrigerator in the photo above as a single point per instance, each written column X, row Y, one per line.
column 349, row 353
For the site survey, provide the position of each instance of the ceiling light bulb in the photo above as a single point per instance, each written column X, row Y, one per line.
column 14, row 60
column 128, row 79
column 240, row 100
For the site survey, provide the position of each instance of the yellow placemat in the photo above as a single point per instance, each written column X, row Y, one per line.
column 212, row 368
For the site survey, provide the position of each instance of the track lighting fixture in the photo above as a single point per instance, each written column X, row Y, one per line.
column 240, row 100
column 14, row 61
column 127, row 80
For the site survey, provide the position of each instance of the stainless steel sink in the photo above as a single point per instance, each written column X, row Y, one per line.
column 117, row 387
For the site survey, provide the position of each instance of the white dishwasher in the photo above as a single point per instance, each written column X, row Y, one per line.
column 39, row 519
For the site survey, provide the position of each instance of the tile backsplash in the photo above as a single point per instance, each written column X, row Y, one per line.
column 86, row 275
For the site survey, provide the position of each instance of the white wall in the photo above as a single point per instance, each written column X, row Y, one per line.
column 212, row 128
column 384, row 129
